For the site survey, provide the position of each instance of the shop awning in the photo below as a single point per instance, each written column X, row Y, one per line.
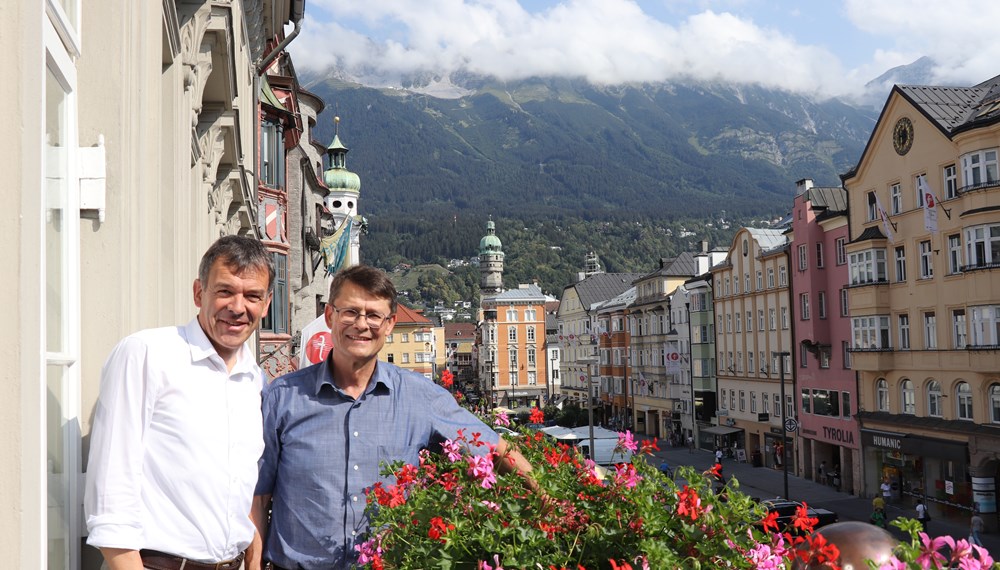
column 721, row 430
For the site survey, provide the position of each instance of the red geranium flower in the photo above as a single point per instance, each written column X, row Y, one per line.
column 537, row 416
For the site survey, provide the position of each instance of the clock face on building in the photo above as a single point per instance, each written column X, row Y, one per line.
column 902, row 136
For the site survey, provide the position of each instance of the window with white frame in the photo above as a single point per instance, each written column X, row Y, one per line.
column 895, row 199
column 784, row 318
column 531, row 333
column 804, row 306
column 782, row 276
column 841, row 246
column 871, row 332
column 760, row 319
column 819, row 255
column 406, row 358
column 950, row 182
column 844, row 304
column 771, row 319
column 749, row 321
column 824, row 357
column 934, row 399
column 530, row 314
column 930, row 330
column 746, row 283
column 954, row 254
column 926, row 261
column 763, row 362
column 982, row 245
column 882, row 395
column 803, row 258
column 821, row 304
column 872, row 207
column 739, row 362
column 867, row 266
column 963, row 396
column 753, row 402
column 736, row 285
column 919, row 182
column 736, row 317
column 532, row 378
column 725, row 402
column 980, row 168
column 845, row 353
column 899, row 256
column 743, row 400
column 531, row 357
column 760, row 280
column 995, row 403
column 512, row 315
column 789, row 406
column 959, row 328
column 725, row 286
column 512, row 334
column 803, row 356
column 908, row 398
column 512, row 358
column 777, row 403
column 903, row 321
column 984, row 325
column 272, row 154
column 732, row 400
column 729, row 323
column 770, row 278
column 765, row 402
column 750, row 366
column 513, row 378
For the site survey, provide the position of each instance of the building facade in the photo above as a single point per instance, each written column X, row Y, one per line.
column 134, row 149
column 827, row 389
column 613, row 339
column 753, row 339
column 513, row 344
column 923, row 248
column 414, row 343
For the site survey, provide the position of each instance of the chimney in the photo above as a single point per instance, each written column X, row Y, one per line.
column 704, row 246
column 803, row 185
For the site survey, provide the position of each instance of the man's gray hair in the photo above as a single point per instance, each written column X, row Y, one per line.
column 238, row 253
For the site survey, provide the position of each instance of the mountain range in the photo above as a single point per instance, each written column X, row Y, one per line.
column 437, row 156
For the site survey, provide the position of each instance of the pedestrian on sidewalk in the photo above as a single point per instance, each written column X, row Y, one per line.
column 922, row 514
column 975, row 528
column 877, row 517
column 821, row 471
column 718, row 455
column 886, row 490
column 690, row 442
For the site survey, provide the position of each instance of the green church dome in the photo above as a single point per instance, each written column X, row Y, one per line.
column 490, row 242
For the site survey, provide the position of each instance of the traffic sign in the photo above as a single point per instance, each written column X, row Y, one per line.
column 791, row 424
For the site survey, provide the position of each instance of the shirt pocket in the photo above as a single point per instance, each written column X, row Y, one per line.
column 398, row 451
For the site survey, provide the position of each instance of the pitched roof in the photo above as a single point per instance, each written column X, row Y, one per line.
column 871, row 232
column 684, row 265
column 408, row 316
column 619, row 301
column 827, row 198
column 767, row 238
column 529, row 292
column 460, row 331
column 602, row 286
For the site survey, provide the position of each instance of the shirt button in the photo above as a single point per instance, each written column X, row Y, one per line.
column 355, row 467
column 354, row 498
column 355, row 434
column 353, row 533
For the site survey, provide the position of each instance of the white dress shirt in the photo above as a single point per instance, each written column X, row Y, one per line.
column 174, row 447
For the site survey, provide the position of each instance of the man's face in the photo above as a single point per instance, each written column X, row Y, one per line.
column 356, row 342
column 230, row 306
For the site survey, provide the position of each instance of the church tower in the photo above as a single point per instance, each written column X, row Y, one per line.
column 490, row 262
column 342, row 201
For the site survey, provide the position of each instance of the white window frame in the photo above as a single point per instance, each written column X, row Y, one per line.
column 984, row 325
column 926, row 260
column 950, row 174
column 907, row 397
column 895, row 199
column 918, row 187
column 934, row 399
column 959, row 329
column 803, row 257
column 819, row 255
column 803, row 306
column 963, row 402
column 954, row 254
column 982, row 246
column 903, row 326
column 899, row 261
column 980, row 168
column 821, row 304
column 882, row 395
column 867, row 266
column 841, row 246
column 871, row 332
column 930, row 330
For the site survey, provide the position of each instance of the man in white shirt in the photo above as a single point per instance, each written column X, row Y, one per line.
column 177, row 429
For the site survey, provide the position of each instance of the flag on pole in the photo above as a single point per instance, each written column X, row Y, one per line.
column 930, row 205
column 316, row 342
column 336, row 247
column 886, row 224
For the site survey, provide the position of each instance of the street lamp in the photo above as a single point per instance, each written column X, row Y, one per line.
column 784, row 409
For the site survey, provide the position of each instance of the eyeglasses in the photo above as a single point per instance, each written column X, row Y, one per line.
column 350, row 316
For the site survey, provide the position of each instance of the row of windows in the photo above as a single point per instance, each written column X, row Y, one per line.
column 529, row 315
column 734, row 365
column 723, row 284
column 830, row 403
column 405, row 337
column 934, row 399
column 404, row 357
column 726, row 322
column 512, row 334
column 728, row 400
column 977, row 326
column 979, row 169
column 982, row 250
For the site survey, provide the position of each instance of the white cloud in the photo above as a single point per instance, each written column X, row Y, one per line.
column 615, row 41
column 959, row 36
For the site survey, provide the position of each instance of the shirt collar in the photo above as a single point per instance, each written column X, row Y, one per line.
column 323, row 376
column 202, row 349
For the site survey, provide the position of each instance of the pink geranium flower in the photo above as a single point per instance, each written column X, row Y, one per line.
column 452, row 449
column 502, row 419
column 481, row 467
column 627, row 441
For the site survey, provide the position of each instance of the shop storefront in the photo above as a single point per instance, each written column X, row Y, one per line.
column 919, row 466
column 778, row 452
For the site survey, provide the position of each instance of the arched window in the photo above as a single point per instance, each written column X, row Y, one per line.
column 908, row 404
column 934, row 399
column 963, row 394
column 882, row 395
column 995, row 403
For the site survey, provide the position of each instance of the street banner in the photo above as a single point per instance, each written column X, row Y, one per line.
column 930, row 205
column 886, row 224
column 316, row 342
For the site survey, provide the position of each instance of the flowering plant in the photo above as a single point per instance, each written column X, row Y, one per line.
column 454, row 511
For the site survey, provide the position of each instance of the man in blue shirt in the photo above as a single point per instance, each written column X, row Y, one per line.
column 329, row 427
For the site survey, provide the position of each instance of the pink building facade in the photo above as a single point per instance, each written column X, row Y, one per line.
column 827, row 401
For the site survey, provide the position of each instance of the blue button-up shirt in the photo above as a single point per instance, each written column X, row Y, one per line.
column 323, row 449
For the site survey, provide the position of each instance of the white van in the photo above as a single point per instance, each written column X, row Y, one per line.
column 605, row 452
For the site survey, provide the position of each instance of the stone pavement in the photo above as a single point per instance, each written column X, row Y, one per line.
column 765, row 483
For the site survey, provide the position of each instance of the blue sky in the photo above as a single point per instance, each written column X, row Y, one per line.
column 823, row 47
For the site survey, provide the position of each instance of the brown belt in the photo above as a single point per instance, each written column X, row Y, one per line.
column 162, row 561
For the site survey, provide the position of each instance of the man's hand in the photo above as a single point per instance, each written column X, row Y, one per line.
column 259, row 513
column 122, row 559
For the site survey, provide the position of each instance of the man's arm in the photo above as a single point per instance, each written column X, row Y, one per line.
column 511, row 459
column 122, row 559
column 259, row 515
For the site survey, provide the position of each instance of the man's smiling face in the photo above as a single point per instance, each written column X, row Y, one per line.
column 356, row 342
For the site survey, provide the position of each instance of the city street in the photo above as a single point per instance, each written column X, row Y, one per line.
column 764, row 483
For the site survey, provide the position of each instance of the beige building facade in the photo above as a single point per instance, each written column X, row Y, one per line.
column 133, row 148
column 752, row 331
column 925, row 301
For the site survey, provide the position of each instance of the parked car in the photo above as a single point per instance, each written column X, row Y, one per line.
column 606, row 452
column 501, row 430
column 786, row 513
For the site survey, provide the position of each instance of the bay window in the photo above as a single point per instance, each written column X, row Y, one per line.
column 867, row 266
column 871, row 332
column 984, row 325
column 982, row 245
column 980, row 168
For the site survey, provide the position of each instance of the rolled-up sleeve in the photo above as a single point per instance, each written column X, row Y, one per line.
column 113, row 495
column 448, row 417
